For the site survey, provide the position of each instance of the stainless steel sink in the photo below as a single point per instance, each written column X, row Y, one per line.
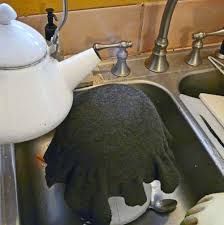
column 39, row 205
column 209, row 81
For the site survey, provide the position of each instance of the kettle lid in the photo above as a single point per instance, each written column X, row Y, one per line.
column 20, row 44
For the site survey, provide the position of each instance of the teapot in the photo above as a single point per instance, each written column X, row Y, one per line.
column 36, row 90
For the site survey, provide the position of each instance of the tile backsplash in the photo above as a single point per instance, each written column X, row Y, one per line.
column 107, row 25
column 138, row 23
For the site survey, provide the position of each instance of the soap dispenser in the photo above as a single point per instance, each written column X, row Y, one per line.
column 50, row 29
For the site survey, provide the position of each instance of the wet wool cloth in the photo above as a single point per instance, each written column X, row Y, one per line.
column 112, row 141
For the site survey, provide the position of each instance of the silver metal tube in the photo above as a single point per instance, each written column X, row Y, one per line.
column 9, row 208
column 62, row 22
column 166, row 19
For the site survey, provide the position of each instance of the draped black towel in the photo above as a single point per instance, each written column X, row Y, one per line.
column 112, row 141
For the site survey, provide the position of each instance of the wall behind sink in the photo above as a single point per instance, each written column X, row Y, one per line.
column 138, row 23
column 31, row 7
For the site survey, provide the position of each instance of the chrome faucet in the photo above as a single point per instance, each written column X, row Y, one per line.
column 158, row 62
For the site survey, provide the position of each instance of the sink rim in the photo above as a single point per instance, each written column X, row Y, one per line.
column 195, row 72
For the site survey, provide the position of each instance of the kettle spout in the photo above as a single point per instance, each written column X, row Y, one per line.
column 77, row 67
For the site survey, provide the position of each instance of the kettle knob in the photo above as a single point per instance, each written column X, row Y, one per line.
column 7, row 13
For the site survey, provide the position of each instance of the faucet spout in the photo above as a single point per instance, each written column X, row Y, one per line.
column 158, row 62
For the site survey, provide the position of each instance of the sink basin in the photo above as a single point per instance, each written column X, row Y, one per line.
column 39, row 205
column 211, row 82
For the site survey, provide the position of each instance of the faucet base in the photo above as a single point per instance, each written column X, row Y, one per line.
column 157, row 63
column 121, row 69
column 194, row 58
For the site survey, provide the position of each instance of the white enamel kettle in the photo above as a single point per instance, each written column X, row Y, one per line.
column 36, row 91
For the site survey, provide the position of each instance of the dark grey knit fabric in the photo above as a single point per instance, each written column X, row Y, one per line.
column 112, row 141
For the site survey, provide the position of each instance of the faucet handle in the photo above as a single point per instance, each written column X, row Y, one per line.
column 194, row 58
column 216, row 33
column 120, row 69
column 121, row 44
column 202, row 35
